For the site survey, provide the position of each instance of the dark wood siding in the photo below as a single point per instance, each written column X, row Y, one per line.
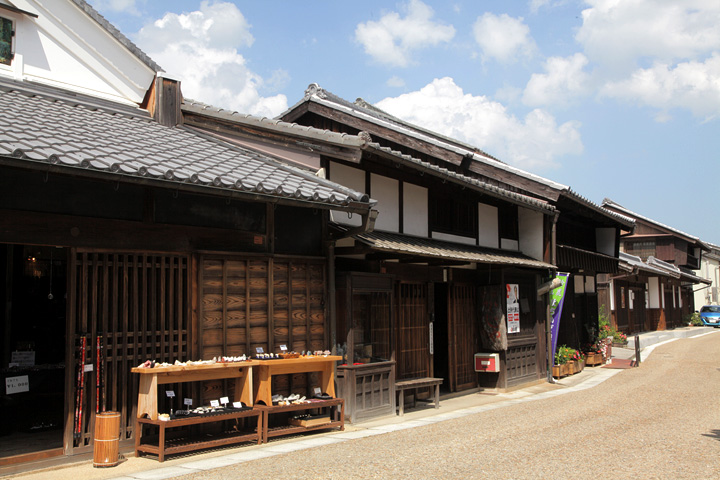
column 252, row 302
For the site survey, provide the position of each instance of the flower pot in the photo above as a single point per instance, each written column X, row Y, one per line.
column 593, row 359
column 557, row 371
column 566, row 369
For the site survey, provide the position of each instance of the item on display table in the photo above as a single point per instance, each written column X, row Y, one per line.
column 178, row 363
column 308, row 420
column 294, row 399
column 164, row 417
column 268, row 356
column 316, row 353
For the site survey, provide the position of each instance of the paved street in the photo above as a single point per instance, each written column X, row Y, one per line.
column 659, row 421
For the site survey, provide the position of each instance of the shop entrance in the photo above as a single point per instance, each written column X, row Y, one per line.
column 33, row 284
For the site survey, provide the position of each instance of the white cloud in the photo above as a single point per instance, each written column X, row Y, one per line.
column 200, row 47
column 564, row 80
column 691, row 85
column 657, row 53
column 530, row 143
column 503, row 38
column 618, row 34
column 392, row 39
column 395, row 81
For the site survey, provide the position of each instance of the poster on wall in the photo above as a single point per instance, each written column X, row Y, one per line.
column 513, row 308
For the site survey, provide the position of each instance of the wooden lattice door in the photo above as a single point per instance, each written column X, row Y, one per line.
column 462, row 321
column 125, row 308
column 413, row 355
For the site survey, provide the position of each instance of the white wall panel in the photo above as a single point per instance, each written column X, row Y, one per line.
column 415, row 210
column 352, row 178
column 488, row 230
column 530, row 230
column 387, row 192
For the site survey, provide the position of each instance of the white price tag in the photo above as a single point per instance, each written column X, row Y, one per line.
column 224, row 400
column 283, row 348
column 237, row 404
column 188, row 401
column 170, row 393
column 318, row 391
column 214, row 403
column 259, row 350
column 88, row 368
column 17, row 384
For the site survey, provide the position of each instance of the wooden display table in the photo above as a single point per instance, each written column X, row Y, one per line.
column 268, row 368
column 186, row 444
column 150, row 378
column 336, row 417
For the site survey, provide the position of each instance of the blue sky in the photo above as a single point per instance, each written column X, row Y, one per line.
column 617, row 99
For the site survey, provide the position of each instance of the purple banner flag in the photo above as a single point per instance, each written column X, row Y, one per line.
column 557, row 298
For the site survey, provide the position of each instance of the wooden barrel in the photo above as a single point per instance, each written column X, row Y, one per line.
column 107, row 439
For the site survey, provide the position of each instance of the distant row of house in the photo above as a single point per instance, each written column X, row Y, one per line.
column 162, row 228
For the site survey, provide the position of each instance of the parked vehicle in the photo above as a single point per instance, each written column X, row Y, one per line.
column 710, row 315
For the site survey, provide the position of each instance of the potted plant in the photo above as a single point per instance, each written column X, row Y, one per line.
column 562, row 357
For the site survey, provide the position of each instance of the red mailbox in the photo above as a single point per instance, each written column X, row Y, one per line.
column 487, row 362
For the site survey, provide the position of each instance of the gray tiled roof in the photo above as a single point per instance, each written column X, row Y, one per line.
column 608, row 203
column 50, row 126
column 428, row 247
column 363, row 110
column 481, row 186
column 344, row 139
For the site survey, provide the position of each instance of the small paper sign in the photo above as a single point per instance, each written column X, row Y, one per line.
column 170, row 393
column 259, row 350
column 318, row 391
column 187, row 401
column 17, row 384
column 214, row 403
column 23, row 358
column 283, row 348
column 237, row 404
column 88, row 368
column 224, row 400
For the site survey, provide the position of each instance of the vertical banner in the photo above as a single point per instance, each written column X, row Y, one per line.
column 557, row 298
column 513, row 308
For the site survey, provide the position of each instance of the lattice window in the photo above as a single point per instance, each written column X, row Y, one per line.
column 7, row 35
column 137, row 306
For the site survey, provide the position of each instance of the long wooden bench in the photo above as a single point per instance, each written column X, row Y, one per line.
column 414, row 384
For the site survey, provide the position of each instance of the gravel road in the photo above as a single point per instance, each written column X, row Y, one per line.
column 658, row 421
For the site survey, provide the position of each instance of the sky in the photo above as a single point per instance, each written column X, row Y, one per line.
column 616, row 99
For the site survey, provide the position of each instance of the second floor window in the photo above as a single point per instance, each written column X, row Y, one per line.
column 6, row 39
column 453, row 215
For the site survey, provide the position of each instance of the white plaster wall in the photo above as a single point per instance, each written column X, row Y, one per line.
column 352, row 178
column 488, row 230
column 65, row 48
column 579, row 283
column 605, row 240
column 453, row 238
column 654, row 292
column 530, row 231
column 415, row 210
column 387, row 192
column 507, row 244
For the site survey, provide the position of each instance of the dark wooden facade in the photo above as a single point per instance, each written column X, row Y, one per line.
column 437, row 317
column 154, row 273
